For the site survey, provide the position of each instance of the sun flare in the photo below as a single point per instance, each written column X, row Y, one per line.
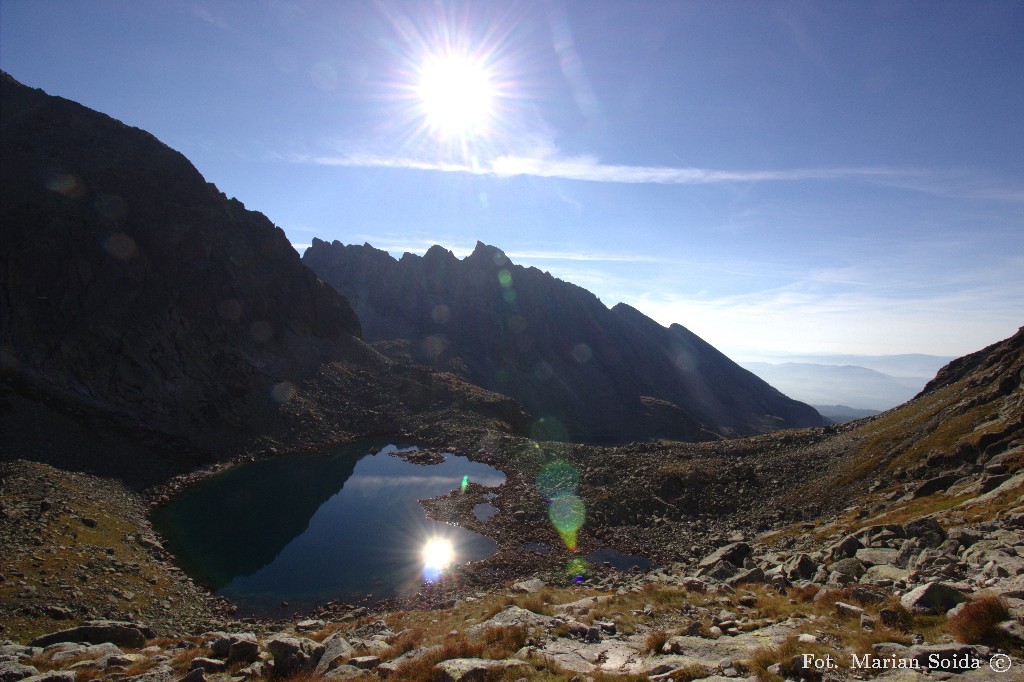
column 456, row 95
column 438, row 553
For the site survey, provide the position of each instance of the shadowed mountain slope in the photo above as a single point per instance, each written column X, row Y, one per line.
column 588, row 372
column 140, row 304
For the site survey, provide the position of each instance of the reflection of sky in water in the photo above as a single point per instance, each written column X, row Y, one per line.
column 484, row 511
column 368, row 537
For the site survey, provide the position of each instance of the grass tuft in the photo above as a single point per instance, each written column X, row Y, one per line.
column 976, row 622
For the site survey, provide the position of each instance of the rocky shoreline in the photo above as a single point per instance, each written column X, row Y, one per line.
column 892, row 596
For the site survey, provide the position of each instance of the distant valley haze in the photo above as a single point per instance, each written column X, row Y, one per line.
column 779, row 178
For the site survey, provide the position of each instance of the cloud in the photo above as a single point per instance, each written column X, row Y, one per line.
column 590, row 169
column 209, row 17
column 947, row 183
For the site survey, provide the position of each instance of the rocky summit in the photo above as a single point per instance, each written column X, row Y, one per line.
column 154, row 333
column 589, row 372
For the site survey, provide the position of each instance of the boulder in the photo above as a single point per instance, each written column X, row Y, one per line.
column 52, row 676
column 872, row 556
column 529, row 586
column 238, row 647
column 933, row 597
column 926, row 530
column 121, row 633
column 11, row 671
column 512, row 615
column 754, row 575
column 950, row 658
column 472, row 669
column 210, row 665
column 799, row 567
column 849, row 567
column 294, row 655
column 337, row 650
column 734, row 553
column 845, row 548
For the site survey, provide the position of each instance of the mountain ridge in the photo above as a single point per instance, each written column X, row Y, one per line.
column 606, row 375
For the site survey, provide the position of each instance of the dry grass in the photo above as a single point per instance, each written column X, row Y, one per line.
column 976, row 622
column 655, row 640
column 181, row 662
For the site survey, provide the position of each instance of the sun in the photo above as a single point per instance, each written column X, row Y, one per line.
column 456, row 95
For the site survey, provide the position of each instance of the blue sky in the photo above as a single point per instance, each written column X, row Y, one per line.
column 831, row 177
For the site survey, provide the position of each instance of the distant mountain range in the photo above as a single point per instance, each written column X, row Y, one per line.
column 864, row 382
column 585, row 371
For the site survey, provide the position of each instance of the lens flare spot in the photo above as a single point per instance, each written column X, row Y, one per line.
column 567, row 514
column 261, row 331
column 578, row 569
column 582, row 353
column 441, row 313
column 230, row 309
column 282, row 392
column 465, row 482
column 557, row 479
column 509, row 295
column 120, row 246
column 438, row 553
column 110, row 206
column 505, row 278
column 66, row 184
column 435, row 344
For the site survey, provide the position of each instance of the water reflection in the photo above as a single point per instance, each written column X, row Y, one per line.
column 309, row 528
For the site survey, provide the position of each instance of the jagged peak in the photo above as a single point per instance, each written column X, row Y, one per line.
column 490, row 253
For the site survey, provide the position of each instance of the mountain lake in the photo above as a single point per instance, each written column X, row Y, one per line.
column 341, row 524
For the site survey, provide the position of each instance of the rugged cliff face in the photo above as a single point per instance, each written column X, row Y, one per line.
column 138, row 299
column 588, row 372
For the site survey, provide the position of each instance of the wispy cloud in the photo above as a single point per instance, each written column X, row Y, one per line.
column 590, row 169
column 209, row 17
column 949, row 183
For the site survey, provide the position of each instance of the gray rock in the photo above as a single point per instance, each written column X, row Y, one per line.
column 129, row 635
column 210, row 665
column 1012, row 630
column 512, row 615
column 721, row 570
column 161, row 673
column 946, row 657
column 347, row 672
column 754, row 575
column 845, row 548
column 849, row 610
column 194, row 675
column 870, row 556
column 52, row 676
column 337, row 650
column 365, row 662
column 933, row 597
column 221, row 647
column 849, row 567
column 294, row 655
column 734, row 553
column 799, row 567
column 93, row 651
column 926, row 530
column 471, row 669
column 529, row 586
column 11, row 671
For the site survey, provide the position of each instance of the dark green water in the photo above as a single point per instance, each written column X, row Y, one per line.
column 336, row 525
